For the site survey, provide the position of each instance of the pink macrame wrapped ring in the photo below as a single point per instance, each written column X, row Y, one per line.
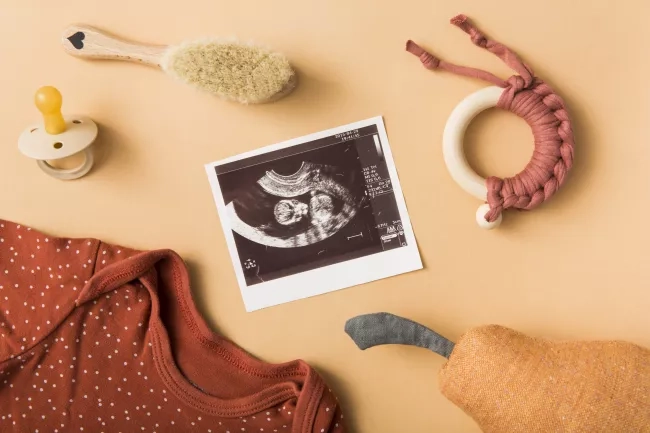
column 527, row 96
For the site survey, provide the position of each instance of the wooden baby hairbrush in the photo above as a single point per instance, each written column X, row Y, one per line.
column 229, row 69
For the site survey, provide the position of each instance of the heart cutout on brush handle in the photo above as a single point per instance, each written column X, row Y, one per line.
column 77, row 40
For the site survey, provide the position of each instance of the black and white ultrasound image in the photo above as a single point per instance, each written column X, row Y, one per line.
column 311, row 205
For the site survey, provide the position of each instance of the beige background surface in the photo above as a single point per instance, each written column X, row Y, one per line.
column 575, row 268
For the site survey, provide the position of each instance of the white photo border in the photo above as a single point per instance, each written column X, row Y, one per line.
column 332, row 277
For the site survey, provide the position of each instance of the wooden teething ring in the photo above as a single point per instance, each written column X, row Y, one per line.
column 452, row 148
column 524, row 95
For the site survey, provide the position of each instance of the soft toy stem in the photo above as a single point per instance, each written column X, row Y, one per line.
column 372, row 330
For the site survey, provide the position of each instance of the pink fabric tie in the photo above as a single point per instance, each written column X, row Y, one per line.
column 530, row 98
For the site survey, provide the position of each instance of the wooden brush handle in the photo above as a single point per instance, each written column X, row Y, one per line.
column 89, row 42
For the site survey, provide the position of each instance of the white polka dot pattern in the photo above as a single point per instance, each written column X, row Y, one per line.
column 78, row 355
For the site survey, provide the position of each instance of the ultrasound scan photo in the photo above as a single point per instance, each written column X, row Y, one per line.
column 311, row 205
column 294, row 210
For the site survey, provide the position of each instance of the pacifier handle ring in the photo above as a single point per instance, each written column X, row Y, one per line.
column 454, row 155
column 73, row 173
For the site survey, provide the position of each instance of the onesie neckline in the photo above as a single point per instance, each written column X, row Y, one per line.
column 141, row 267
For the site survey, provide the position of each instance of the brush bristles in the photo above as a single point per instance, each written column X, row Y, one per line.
column 235, row 71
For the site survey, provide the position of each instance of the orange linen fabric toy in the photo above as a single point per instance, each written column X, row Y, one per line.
column 509, row 382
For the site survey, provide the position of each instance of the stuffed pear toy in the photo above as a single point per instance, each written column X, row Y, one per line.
column 510, row 382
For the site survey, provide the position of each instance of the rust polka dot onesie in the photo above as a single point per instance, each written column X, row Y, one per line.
column 99, row 338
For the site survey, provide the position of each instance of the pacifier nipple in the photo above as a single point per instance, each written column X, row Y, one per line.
column 48, row 100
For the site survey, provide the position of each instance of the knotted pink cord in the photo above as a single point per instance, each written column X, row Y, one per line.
column 530, row 98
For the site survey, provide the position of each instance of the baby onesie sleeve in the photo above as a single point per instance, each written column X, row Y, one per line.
column 40, row 279
column 328, row 417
